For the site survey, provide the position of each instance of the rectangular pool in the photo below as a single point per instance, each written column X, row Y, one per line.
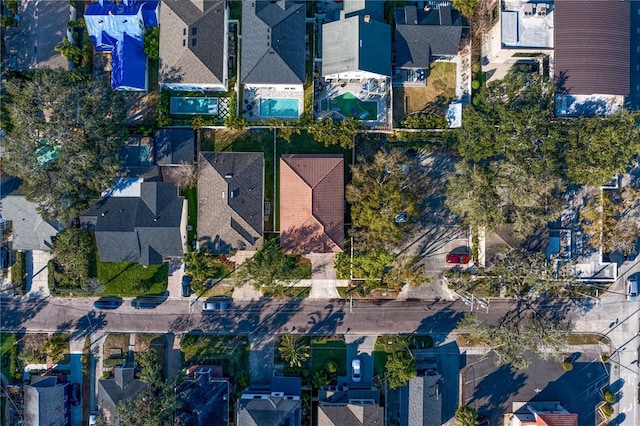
column 191, row 105
column 279, row 107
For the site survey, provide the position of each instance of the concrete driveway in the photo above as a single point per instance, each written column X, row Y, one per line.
column 75, row 376
column 37, row 272
column 360, row 347
column 176, row 272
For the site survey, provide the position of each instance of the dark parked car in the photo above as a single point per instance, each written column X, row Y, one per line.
column 216, row 304
column 110, row 302
column 186, row 286
column 462, row 258
column 146, row 302
column 75, row 394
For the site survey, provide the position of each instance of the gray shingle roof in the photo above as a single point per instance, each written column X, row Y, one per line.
column 205, row 402
column 422, row 401
column 182, row 61
column 111, row 391
column 270, row 411
column 30, row 230
column 273, row 42
column 173, row 146
column 374, row 8
column 231, row 200
column 339, row 408
column 421, row 34
column 352, row 44
column 44, row 403
column 143, row 229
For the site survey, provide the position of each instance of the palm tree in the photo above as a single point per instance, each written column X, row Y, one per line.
column 293, row 350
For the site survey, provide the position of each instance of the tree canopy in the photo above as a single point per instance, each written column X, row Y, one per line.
column 200, row 267
column 293, row 350
column 72, row 250
column 66, row 131
column 330, row 132
column 269, row 270
column 400, row 367
column 466, row 416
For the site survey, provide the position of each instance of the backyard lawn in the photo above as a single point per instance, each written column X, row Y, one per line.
column 231, row 351
column 322, row 353
column 439, row 91
column 132, row 279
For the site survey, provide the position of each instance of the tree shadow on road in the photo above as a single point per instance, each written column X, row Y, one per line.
column 440, row 324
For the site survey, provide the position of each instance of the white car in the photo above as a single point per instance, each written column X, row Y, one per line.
column 356, row 370
column 632, row 288
column 93, row 420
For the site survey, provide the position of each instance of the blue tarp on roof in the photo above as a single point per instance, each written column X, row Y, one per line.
column 129, row 65
column 119, row 28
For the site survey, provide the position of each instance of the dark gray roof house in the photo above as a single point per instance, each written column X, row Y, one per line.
column 137, row 221
column 373, row 8
column 423, row 35
column 174, row 146
column 421, row 401
column 28, row 229
column 194, row 42
column 337, row 407
column 230, row 200
column 111, row 391
column 205, row 401
column 46, row 403
column 31, row 44
column 273, row 42
column 358, row 44
column 279, row 406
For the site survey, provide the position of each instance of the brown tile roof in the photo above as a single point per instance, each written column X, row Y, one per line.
column 312, row 203
column 557, row 419
column 592, row 46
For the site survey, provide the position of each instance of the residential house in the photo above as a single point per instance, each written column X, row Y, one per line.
column 31, row 44
column 540, row 413
column 592, row 56
column 277, row 406
column 230, row 201
column 339, row 406
column 194, row 41
column 423, row 36
column 523, row 33
column 312, row 203
column 421, row 400
column 356, row 48
column 29, row 230
column 205, row 397
column 123, row 385
column 138, row 221
column 118, row 27
column 272, row 62
column 46, row 402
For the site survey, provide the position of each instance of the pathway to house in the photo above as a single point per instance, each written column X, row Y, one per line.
column 261, row 362
column 37, row 272
column 173, row 353
column 97, row 355
column 174, row 285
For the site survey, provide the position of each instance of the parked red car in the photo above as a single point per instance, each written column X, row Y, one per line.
column 462, row 258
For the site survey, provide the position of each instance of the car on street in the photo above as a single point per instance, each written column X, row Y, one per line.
column 75, row 394
column 93, row 419
column 216, row 304
column 632, row 288
column 356, row 370
column 146, row 302
column 106, row 303
column 186, row 286
column 460, row 258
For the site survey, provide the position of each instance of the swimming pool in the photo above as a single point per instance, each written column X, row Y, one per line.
column 191, row 105
column 279, row 107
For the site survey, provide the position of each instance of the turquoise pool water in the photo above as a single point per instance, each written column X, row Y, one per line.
column 191, row 105
column 278, row 107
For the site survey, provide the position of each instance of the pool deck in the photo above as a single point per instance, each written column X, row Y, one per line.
column 251, row 104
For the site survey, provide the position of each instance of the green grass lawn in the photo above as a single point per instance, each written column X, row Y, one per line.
column 321, row 353
column 349, row 105
column 191, row 194
column 132, row 279
column 8, row 354
column 379, row 362
column 232, row 351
